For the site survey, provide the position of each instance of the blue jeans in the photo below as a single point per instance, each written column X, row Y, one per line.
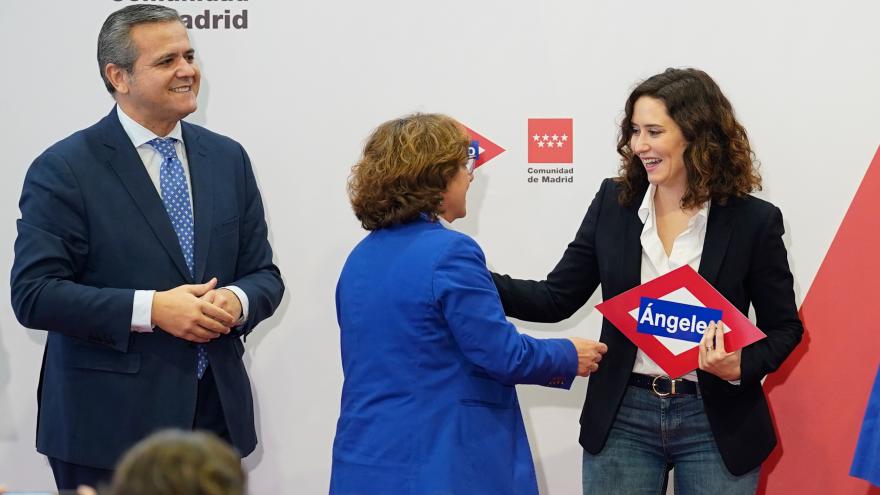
column 649, row 436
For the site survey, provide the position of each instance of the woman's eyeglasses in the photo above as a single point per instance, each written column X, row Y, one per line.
column 470, row 165
column 473, row 156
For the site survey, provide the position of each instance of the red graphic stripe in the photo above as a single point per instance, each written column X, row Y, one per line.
column 819, row 395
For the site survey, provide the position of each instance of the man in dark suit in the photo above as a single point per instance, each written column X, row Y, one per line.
column 142, row 248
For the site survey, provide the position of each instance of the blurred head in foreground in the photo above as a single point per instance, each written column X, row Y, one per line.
column 175, row 462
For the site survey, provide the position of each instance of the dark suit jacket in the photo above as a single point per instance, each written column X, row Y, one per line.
column 743, row 257
column 92, row 230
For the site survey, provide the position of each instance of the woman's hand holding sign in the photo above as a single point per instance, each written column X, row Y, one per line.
column 714, row 358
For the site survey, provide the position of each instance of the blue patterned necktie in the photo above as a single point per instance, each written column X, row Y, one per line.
column 175, row 196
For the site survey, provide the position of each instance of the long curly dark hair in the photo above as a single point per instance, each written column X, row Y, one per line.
column 718, row 159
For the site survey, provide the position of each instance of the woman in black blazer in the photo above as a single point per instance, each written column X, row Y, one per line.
column 681, row 197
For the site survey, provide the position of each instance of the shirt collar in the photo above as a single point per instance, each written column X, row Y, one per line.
column 139, row 134
column 646, row 209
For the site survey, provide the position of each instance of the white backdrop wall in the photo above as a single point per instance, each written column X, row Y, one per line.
column 306, row 82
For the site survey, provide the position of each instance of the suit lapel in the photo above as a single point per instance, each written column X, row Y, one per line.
column 202, row 183
column 122, row 157
column 719, row 226
column 631, row 262
column 630, row 267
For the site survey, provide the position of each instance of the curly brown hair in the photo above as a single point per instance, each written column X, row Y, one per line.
column 718, row 159
column 180, row 463
column 405, row 168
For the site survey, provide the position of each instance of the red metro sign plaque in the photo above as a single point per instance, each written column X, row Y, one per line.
column 677, row 353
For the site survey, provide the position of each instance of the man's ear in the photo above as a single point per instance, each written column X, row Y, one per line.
column 118, row 77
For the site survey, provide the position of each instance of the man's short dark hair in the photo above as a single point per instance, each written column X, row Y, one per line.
column 114, row 41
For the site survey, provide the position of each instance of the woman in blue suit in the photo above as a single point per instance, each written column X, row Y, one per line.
column 430, row 362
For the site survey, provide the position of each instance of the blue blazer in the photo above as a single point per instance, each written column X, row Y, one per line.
column 92, row 230
column 430, row 363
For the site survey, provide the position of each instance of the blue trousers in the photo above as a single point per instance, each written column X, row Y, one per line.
column 652, row 435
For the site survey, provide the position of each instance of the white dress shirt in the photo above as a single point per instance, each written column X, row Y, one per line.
column 687, row 249
column 140, row 137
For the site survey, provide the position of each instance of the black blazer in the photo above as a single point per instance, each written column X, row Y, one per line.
column 92, row 230
column 743, row 257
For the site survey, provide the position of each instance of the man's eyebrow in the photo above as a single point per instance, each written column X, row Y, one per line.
column 166, row 55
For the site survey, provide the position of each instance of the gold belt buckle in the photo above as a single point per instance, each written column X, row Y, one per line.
column 660, row 394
